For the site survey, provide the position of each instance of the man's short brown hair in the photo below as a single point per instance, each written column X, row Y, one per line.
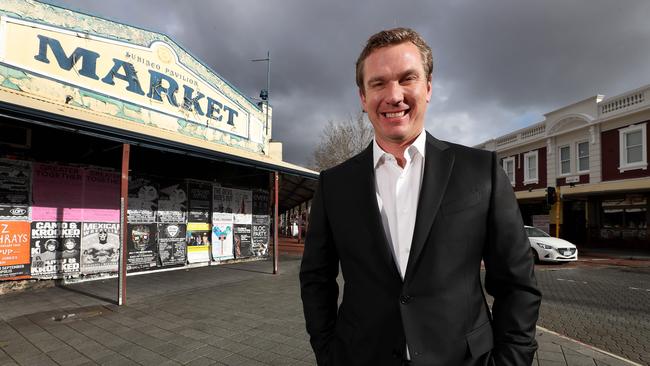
column 392, row 37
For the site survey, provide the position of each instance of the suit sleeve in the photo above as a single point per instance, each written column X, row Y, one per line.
column 510, row 277
column 318, row 271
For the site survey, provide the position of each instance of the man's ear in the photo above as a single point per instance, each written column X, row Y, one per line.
column 362, row 96
column 429, row 89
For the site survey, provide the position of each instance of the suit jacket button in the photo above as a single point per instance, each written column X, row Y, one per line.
column 405, row 299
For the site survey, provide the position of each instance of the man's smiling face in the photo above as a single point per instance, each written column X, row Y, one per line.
column 395, row 93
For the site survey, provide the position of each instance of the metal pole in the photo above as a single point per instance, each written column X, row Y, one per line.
column 268, row 88
column 124, row 206
column 558, row 207
column 276, row 242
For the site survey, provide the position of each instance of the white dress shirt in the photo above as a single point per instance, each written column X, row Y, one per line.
column 398, row 191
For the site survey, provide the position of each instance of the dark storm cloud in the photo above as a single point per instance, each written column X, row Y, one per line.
column 499, row 64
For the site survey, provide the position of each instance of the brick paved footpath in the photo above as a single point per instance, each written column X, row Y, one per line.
column 237, row 314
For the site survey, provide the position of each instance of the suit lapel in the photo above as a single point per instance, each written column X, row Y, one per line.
column 372, row 218
column 438, row 165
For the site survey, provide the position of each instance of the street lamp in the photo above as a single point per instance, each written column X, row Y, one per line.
column 265, row 93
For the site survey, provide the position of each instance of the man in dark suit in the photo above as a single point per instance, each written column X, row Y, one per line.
column 409, row 221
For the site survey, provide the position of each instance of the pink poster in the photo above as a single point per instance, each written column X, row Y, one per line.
column 101, row 199
column 68, row 193
column 57, row 193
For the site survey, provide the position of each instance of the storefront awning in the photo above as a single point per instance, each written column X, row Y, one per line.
column 627, row 186
column 76, row 120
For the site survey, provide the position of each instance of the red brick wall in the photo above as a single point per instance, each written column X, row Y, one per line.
column 610, row 156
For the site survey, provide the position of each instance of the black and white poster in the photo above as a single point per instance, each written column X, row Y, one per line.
column 260, row 235
column 55, row 249
column 142, row 249
column 100, row 247
column 15, row 189
column 143, row 200
column 172, row 203
column 261, row 223
column 242, row 241
column 199, row 197
column 172, row 244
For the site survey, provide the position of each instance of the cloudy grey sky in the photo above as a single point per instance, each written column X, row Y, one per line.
column 499, row 65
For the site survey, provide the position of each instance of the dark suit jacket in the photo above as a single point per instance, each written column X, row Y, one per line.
column 466, row 212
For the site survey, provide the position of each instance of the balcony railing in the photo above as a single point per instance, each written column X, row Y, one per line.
column 522, row 135
column 624, row 102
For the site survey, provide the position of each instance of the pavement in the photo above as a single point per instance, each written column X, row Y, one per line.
column 235, row 314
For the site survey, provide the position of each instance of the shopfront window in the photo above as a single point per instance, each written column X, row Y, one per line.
column 624, row 218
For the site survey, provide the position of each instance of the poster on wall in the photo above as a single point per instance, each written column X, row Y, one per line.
column 57, row 193
column 222, row 239
column 198, row 242
column 171, row 244
column 15, row 189
column 172, row 203
column 100, row 247
column 55, row 249
column 260, row 235
column 101, row 196
column 261, row 223
column 222, row 204
column 14, row 249
column 143, row 200
column 242, row 241
column 199, row 197
column 242, row 204
column 142, row 250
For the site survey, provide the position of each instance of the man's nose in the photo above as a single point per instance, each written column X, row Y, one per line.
column 394, row 94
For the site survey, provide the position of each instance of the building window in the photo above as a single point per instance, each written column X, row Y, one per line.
column 583, row 156
column 633, row 148
column 565, row 160
column 509, row 167
column 530, row 168
column 624, row 218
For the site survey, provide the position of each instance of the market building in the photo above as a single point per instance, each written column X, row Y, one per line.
column 594, row 154
column 121, row 152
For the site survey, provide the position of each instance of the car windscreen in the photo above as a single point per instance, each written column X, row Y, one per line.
column 533, row 232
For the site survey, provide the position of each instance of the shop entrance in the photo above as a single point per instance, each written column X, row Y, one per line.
column 574, row 226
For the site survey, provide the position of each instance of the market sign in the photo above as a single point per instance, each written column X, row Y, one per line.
column 149, row 77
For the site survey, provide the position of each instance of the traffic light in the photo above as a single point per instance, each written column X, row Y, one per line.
column 551, row 196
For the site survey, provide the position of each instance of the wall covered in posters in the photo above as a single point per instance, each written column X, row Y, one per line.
column 230, row 223
column 15, row 190
column 14, row 249
column 55, row 249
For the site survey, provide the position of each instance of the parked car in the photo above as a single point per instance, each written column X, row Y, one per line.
column 546, row 248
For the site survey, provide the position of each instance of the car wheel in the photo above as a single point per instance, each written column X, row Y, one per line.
column 535, row 255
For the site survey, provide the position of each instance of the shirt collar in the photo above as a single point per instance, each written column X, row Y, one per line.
column 416, row 147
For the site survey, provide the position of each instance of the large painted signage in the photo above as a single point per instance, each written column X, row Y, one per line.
column 149, row 77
